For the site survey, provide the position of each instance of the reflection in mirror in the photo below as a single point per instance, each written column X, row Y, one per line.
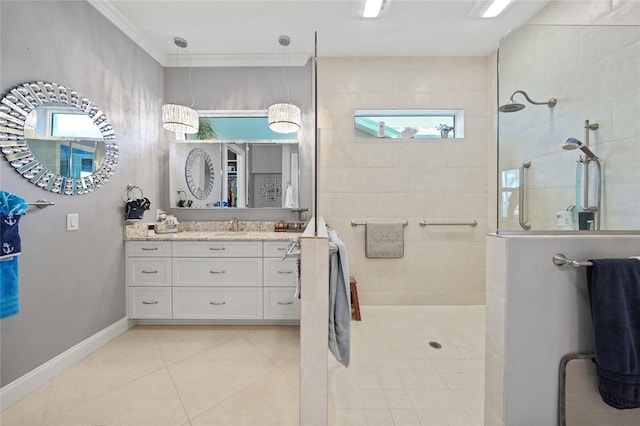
column 199, row 172
column 57, row 138
column 244, row 175
column 64, row 140
column 253, row 166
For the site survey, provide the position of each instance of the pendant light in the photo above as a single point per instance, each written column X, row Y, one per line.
column 284, row 117
column 180, row 118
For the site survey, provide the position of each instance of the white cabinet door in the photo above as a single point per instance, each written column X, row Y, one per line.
column 280, row 303
column 217, row 249
column 148, row 248
column 217, row 272
column 279, row 272
column 148, row 271
column 149, row 302
column 217, row 303
column 275, row 248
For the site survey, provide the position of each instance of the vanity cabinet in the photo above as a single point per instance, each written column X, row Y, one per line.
column 211, row 280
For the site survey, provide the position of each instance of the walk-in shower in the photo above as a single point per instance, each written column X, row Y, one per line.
column 513, row 106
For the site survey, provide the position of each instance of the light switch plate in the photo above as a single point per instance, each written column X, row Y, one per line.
column 73, row 221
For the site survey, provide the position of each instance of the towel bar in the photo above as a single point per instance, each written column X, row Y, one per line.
column 41, row 204
column 360, row 222
column 562, row 260
column 472, row 222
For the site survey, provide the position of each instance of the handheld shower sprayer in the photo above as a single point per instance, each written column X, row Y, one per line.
column 573, row 143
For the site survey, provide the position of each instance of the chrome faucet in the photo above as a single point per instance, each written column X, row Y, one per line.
column 234, row 225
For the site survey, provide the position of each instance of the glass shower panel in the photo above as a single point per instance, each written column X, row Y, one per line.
column 569, row 128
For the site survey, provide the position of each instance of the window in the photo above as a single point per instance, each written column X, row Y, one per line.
column 409, row 124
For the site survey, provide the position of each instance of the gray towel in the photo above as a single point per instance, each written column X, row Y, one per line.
column 384, row 240
column 339, row 302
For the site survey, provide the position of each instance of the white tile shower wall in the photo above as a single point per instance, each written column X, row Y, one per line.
column 594, row 73
column 413, row 180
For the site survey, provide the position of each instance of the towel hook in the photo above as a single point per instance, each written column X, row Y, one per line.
column 130, row 188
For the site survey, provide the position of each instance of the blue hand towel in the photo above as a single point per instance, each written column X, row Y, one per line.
column 9, row 235
column 9, row 302
column 339, row 302
column 614, row 292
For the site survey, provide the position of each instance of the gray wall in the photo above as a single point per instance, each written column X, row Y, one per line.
column 248, row 88
column 72, row 283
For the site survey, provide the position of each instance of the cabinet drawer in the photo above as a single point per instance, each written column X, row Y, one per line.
column 279, row 272
column 217, row 303
column 280, row 303
column 149, row 248
column 144, row 271
column 149, row 302
column 217, row 249
column 275, row 248
column 217, row 272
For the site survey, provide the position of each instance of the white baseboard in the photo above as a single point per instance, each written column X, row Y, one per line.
column 23, row 386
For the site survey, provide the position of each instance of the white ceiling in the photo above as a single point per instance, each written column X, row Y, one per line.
column 246, row 32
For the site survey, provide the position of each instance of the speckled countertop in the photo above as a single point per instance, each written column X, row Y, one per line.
column 214, row 230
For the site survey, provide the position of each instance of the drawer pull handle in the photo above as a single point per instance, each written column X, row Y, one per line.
column 282, row 248
column 218, row 303
column 149, row 248
column 155, row 302
column 285, row 302
column 216, row 248
column 150, row 272
column 285, row 272
column 217, row 272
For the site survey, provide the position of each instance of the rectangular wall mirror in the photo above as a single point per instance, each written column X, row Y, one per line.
column 235, row 161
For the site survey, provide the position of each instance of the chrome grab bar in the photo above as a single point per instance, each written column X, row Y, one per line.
column 521, row 188
column 472, row 222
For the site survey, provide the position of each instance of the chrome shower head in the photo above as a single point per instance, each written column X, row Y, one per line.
column 511, row 107
column 514, row 106
column 573, row 143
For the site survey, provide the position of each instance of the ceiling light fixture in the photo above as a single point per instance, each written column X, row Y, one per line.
column 284, row 117
column 488, row 8
column 180, row 118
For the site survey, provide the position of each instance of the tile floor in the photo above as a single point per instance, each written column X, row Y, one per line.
column 395, row 378
column 249, row 375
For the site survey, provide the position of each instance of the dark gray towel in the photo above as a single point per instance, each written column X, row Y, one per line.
column 614, row 291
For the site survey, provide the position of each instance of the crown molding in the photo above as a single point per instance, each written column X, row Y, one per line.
column 255, row 60
column 109, row 11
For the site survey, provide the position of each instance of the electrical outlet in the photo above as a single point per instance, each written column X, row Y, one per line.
column 73, row 221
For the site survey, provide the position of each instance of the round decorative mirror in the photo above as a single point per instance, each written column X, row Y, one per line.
column 57, row 138
column 199, row 172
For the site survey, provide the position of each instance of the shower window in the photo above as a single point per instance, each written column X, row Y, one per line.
column 409, row 124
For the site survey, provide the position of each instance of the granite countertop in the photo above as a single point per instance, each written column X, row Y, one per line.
column 218, row 236
column 213, row 230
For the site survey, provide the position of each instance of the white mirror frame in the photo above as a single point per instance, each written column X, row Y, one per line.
column 17, row 103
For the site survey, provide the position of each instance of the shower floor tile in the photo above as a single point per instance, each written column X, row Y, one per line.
column 421, row 384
